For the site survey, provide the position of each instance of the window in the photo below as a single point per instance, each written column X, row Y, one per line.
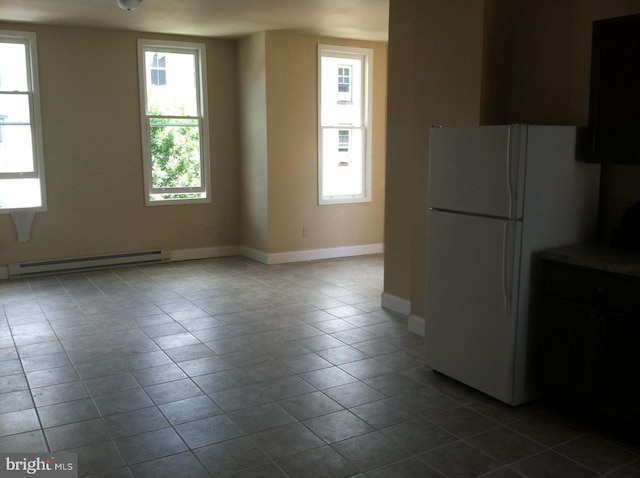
column 158, row 70
column 344, row 108
column 174, row 122
column 22, row 183
column 344, row 83
column 343, row 141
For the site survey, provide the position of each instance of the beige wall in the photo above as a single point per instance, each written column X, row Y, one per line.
column 253, row 134
column 263, row 151
column 551, row 67
column 534, row 68
column 92, row 147
column 292, row 118
column 435, row 73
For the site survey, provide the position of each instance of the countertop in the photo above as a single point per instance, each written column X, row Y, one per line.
column 597, row 256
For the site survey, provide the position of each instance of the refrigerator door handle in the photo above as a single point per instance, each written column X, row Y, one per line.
column 509, row 176
column 507, row 265
column 513, row 166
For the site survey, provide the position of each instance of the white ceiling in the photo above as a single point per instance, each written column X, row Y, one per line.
column 354, row 19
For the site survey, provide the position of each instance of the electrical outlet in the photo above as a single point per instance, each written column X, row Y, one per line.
column 305, row 231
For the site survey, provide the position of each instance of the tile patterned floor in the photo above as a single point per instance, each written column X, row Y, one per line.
column 227, row 367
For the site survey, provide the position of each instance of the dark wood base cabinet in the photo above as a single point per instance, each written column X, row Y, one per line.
column 590, row 345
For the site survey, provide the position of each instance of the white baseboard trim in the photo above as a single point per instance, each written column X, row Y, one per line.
column 255, row 254
column 263, row 257
column 416, row 325
column 311, row 254
column 204, row 253
column 395, row 303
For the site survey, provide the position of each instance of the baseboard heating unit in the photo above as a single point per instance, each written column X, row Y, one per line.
column 80, row 264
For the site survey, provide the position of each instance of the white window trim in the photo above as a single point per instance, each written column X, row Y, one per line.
column 29, row 38
column 366, row 54
column 201, row 80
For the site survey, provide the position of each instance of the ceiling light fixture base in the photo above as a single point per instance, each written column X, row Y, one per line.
column 128, row 5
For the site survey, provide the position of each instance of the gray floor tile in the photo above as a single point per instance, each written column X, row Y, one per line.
column 342, row 354
column 338, row 426
column 407, row 468
column 462, row 422
column 459, row 460
column 286, row 387
column 367, row 368
column 55, row 376
column 45, row 362
column 209, row 430
column 151, row 445
column 384, row 413
column 160, row 374
column 231, row 456
column 99, row 458
column 67, row 412
column 327, row 377
column 121, row 402
column 65, row 392
column 173, row 391
column 546, row 429
column 287, row 440
column 418, row 435
column 190, row 409
column 596, row 453
column 322, row 462
column 15, row 401
column 629, row 471
column 426, row 401
column 203, row 366
column 269, row 470
column 310, row 405
column 261, row 341
column 541, row 465
column 77, row 434
column 180, row 465
column 240, row 397
column 393, row 384
column 135, row 422
column 370, row 451
column 111, row 383
column 189, row 352
column 12, row 423
column 220, row 381
column 33, row 442
column 353, row 394
column 505, row 445
column 261, row 417
column 305, row 363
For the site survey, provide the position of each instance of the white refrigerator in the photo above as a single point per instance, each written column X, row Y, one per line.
column 497, row 194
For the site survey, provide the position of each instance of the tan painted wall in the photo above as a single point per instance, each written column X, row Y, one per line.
column 253, row 134
column 292, row 120
column 92, row 146
column 551, row 66
column 435, row 72
column 263, row 144
column 534, row 68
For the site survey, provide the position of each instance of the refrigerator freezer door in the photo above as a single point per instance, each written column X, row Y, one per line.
column 471, row 291
column 477, row 170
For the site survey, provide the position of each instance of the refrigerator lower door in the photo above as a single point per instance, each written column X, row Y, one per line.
column 472, row 275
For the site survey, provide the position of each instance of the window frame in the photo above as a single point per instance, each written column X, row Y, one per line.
column 35, row 118
column 366, row 56
column 202, row 118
